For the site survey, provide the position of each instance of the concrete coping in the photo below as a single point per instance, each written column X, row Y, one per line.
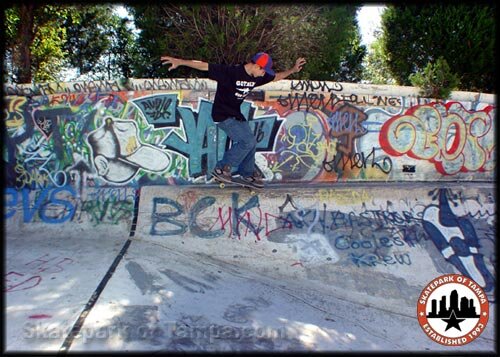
column 205, row 84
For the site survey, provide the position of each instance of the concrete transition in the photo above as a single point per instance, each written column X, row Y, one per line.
column 117, row 239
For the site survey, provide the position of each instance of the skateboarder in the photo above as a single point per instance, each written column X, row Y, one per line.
column 234, row 83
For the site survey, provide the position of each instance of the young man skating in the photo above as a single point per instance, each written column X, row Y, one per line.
column 234, row 83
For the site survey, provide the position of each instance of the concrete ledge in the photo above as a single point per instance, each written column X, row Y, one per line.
column 205, row 84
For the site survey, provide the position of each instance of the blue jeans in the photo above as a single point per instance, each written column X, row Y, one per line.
column 243, row 146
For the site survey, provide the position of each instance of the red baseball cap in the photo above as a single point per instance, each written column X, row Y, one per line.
column 265, row 61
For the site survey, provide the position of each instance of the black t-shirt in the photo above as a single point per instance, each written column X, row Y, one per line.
column 233, row 85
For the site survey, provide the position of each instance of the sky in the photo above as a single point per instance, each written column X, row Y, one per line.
column 369, row 21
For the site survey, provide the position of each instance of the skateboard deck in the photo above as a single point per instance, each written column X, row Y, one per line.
column 236, row 181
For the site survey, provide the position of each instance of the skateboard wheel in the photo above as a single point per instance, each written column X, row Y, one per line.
column 221, row 185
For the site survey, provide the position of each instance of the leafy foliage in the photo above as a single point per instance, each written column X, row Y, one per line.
column 42, row 40
column 88, row 36
column 47, row 49
column 233, row 33
column 33, row 43
column 339, row 53
column 436, row 80
column 375, row 69
column 123, row 52
column 100, row 43
column 463, row 34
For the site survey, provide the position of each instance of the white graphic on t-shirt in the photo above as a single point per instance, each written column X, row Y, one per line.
column 243, row 88
column 245, row 84
column 244, row 92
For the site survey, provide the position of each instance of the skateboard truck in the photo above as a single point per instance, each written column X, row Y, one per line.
column 238, row 182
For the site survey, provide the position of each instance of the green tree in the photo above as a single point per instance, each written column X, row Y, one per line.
column 463, row 34
column 100, row 44
column 375, row 68
column 33, row 42
column 84, row 43
column 123, row 52
column 42, row 40
column 351, row 65
column 338, row 54
column 325, row 35
column 436, row 80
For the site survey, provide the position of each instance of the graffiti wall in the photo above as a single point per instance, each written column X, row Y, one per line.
column 146, row 132
column 85, row 147
column 88, row 151
column 356, row 238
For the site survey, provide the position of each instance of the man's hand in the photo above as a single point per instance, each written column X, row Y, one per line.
column 175, row 62
column 298, row 64
column 296, row 68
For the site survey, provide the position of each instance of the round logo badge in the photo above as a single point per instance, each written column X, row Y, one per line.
column 453, row 310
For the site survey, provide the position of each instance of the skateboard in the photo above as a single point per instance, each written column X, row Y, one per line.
column 236, row 181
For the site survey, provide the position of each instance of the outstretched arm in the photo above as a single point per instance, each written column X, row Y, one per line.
column 176, row 62
column 297, row 68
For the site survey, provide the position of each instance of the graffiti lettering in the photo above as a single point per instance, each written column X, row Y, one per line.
column 159, row 110
column 346, row 125
column 347, row 121
column 199, row 128
column 315, row 85
column 49, row 207
column 111, row 210
column 359, row 160
column 238, row 220
column 372, row 260
column 344, row 243
column 64, row 98
column 162, row 220
column 314, row 101
column 31, row 275
column 344, row 197
column 195, row 211
column 328, row 141
column 97, row 86
column 170, row 84
column 15, row 281
column 308, row 101
column 447, row 135
column 57, row 87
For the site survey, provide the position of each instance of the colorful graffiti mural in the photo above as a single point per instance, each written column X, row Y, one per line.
column 82, row 151
column 101, row 134
column 449, row 136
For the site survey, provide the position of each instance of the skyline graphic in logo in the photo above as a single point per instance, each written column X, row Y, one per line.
column 453, row 310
